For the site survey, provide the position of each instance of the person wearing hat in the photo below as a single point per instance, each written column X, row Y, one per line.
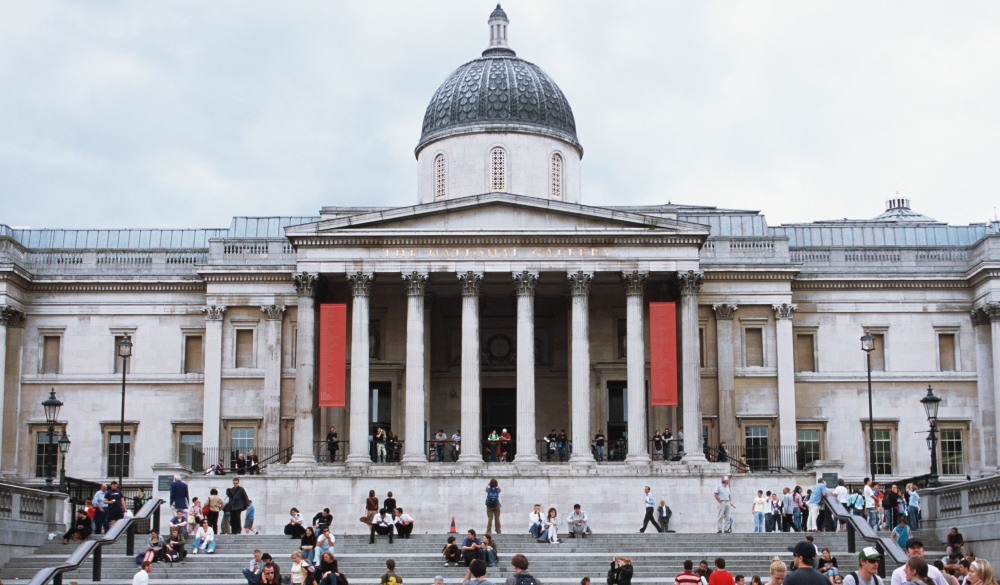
column 867, row 567
column 915, row 548
column 505, row 439
column 725, row 499
column 803, row 558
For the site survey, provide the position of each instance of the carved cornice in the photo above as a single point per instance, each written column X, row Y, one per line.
column 214, row 312
column 469, row 283
column 756, row 274
column 579, row 283
column 634, row 282
column 415, row 283
column 11, row 317
column 725, row 311
column 273, row 312
column 784, row 310
column 117, row 287
column 305, row 284
column 247, row 277
column 877, row 284
column 361, row 283
column 371, row 241
column 690, row 282
column 524, row 283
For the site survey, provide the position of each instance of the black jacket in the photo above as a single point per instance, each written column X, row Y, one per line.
column 620, row 575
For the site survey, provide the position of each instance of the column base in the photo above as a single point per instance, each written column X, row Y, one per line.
column 470, row 460
column 414, row 460
column 581, row 461
column 302, row 460
column 357, row 460
column 526, row 460
column 697, row 458
column 638, row 459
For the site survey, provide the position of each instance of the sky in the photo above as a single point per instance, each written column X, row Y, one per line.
column 183, row 114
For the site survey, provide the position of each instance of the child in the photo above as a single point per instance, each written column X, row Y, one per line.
column 901, row 533
column 452, row 552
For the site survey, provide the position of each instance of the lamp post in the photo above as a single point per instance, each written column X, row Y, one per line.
column 51, row 405
column 931, row 403
column 124, row 352
column 868, row 346
column 64, row 443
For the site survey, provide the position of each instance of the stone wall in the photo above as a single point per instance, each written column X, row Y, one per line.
column 973, row 507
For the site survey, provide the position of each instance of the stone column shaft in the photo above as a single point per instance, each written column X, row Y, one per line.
column 690, row 282
column 524, row 283
column 635, row 356
column 303, row 451
column 272, row 374
column 787, row 435
column 984, row 391
column 727, row 372
column 414, row 452
column 358, row 454
column 211, row 411
column 470, row 283
column 8, row 315
column 580, row 367
column 993, row 311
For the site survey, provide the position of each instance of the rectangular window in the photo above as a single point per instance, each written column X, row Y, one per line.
column 952, row 452
column 805, row 352
column 119, row 454
column 878, row 354
column 241, row 440
column 244, row 348
column 380, row 406
column 702, row 348
column 118, row 360
column 51, row 346
column 882, row 439
column 753, row 348
column 617, row 410
column 946, row 352
column 194, row 361
column 43, row 449
column 756, row 446
column 808, row 447
column 190, row 452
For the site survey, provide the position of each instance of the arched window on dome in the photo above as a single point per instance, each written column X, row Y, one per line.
column 440, row 177
column 556, row 176
column 498, row 170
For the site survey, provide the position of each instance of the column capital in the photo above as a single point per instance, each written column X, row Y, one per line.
column 978, row 316
column 470, row 283
column 305, row 284
column 524, row 283
column 11, row 317
column 361, row 283
column 415, row 283
column 273, row 312
column 725, row 311
column 579, row 282
column 214, row 312
column 690, row 282
column 784, row 310
column 634, row 282
column 991, row 311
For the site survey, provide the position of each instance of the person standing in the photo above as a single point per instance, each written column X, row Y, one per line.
column 179, row 499
column 803, row 558
column 720, row 576
column 913, row 506
column 819, row 491
column 238, row 501
column 115, row 502
column 493, row 505
column 371, row 508
column 248, row 520
column 379, row 440
column 650, row 508
column 600, row 442
column 724, row 499
column 100, row 510
column 759, row 504
column 664, row 513
column 332, row 443
column 389, row 503
column 869, row 495
column 787, row 510
column 142, row 577
column 440, row 438
column 215, row 505
column 456, row 445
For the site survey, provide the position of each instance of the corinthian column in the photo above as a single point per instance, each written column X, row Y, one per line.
column 212, row 402
column 414, row 453
column 727, row 372
column 361, row 286
column 579, row 286
column 470, row 282
column 524, row 285
column 635, row 356
column 690, row 283
column 272, row 373
column 9, row 318
column 303, row 452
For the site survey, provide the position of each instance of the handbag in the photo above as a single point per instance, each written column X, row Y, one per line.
column 191, row 520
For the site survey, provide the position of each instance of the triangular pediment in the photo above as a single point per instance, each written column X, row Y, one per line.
column 496, row 213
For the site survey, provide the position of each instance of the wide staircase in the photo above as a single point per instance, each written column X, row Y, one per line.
column 657, row 558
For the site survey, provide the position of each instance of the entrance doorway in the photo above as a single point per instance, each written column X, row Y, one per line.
column 617, row 424
column 499, row 410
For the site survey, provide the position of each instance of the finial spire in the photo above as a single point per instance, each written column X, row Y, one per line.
column 498, row 29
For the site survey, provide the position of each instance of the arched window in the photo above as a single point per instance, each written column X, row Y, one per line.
column 498, row 169
column 556, row 176
column 440, row 177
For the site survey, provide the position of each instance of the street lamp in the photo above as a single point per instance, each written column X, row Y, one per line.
column 64, row 449
column 124, row 352
column 51, row 405
column 868, row 346
column 931, row 404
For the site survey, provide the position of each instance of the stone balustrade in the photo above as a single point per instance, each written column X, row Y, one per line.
column 972, row 506
column 26, row 517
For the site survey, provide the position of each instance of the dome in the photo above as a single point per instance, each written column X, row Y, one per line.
column 499, row 93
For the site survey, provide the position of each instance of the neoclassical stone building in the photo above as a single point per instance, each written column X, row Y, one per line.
column 500, row 300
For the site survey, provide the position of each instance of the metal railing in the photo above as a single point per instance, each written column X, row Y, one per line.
column 322, row 451
column 664, row 449
column 230, row 458
column 766, row 459
column 859, row 525
column 88, row 548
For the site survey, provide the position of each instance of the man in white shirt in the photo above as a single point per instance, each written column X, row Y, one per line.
column 404, row 523
column 841, row 492
column 915, row 548
column 142, row 577
column 535, row 521
column 577, row 522
column 456, row 445
column 382, row 523
column 869, row 494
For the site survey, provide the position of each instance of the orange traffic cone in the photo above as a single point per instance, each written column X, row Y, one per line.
column 452, row 529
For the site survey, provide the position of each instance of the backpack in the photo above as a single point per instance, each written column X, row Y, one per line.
column 857, row 580
column 492, row 497
column 524, row 579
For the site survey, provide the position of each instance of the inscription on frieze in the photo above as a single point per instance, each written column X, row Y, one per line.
column 487, row 253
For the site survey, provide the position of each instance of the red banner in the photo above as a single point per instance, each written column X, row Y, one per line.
column 332, row 354
column 663, row 354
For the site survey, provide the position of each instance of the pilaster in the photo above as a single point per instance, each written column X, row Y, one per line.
column 986, row 443
column 273, row 315
column 786, row 373
column 992, row 312
column 10, row 318
column 212, row 402
column 727, row 371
